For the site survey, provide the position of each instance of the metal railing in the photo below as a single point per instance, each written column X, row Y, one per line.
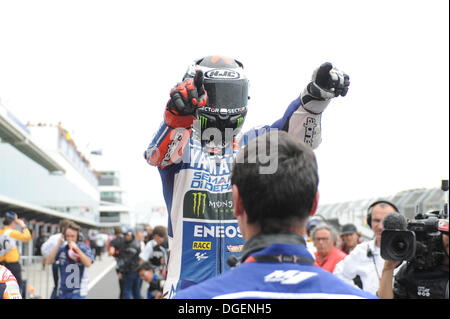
column 37, row 278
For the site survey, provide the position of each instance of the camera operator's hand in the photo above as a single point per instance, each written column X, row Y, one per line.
column 390, row 265
column 385, row 290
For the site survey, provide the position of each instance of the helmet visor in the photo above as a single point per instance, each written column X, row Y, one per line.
column 227, row 94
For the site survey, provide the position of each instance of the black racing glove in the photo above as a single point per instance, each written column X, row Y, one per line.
column 328, row 82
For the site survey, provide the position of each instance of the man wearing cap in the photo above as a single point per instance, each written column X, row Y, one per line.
column 350, row 237
column 9, row 251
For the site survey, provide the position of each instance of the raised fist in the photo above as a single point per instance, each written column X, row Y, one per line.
column 328, row 82
column 187, row 96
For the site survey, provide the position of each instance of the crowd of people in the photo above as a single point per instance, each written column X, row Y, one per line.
column 70, row 251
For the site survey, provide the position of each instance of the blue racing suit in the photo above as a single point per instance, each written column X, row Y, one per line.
column 260, row 277
column 203, row 232
column 73, row 281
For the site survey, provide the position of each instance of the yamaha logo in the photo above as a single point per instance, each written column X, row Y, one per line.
column 222, row 74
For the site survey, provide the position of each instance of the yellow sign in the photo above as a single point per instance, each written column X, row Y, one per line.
column 201, row 245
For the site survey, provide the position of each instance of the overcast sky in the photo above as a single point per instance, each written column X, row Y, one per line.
column 104, row 69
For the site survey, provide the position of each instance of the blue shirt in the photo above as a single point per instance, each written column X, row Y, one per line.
column 275, row 280
column 73, row 279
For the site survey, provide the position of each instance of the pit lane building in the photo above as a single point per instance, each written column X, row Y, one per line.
column 45, row 178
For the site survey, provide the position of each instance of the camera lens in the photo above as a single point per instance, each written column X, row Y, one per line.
column 399, row 247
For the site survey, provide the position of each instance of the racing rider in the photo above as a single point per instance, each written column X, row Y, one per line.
column 194, row 149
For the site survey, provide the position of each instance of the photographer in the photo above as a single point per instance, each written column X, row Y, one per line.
column 155, row 255
column 128, row 263
column 424, row 276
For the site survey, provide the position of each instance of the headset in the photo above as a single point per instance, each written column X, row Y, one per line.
column 78, row 234
column 370, row 208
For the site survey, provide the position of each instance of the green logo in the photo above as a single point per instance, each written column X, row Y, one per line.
column 203, row 120
column 199, row 203
column 206, row 205
column 239, row 121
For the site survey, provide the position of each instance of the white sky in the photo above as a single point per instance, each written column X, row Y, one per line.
column 105, row 68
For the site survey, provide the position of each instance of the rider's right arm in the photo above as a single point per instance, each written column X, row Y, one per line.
column 169, row 142
column 167, row 145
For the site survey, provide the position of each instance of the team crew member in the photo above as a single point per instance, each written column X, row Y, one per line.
column 194, row 149
column 9, row 250
column 48, row 246
column 364, row 265
column 9, row 289
column 272, row 216
column 72, row 257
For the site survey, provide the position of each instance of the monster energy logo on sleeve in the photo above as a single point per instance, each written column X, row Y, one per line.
column 239, row 121
column 199, row 203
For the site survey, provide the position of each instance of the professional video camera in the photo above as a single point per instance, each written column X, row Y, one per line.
column 418, row 241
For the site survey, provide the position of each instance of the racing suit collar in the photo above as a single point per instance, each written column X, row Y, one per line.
column 261, row 241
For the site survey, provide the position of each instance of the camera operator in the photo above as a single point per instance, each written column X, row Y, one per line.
column 364, row 264
column 155, row 254
column 424, row 276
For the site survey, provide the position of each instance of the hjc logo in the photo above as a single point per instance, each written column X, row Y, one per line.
column 222, row 74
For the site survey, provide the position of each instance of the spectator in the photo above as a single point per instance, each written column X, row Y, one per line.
column 312, row 222
column 140, row 236
column 92, row 236
column 73, row 257
column 149, row 273
column 40, row 239
column 148, row 234
column 100, row 242
column 128, row 261
column 155, row 253
column 364, row 263
column 9, row 249
column 48, row 246
column 9, row 288
column 350, row 238
column 38, row 243
column 327, row 255
column 272, row 211
column 115, row 245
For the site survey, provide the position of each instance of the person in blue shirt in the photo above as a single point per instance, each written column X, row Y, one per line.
column 72, row 257
column 272, row 208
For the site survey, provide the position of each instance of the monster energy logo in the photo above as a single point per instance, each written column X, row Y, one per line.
column 203, row 120
column 199, row 203
column 239, row 121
